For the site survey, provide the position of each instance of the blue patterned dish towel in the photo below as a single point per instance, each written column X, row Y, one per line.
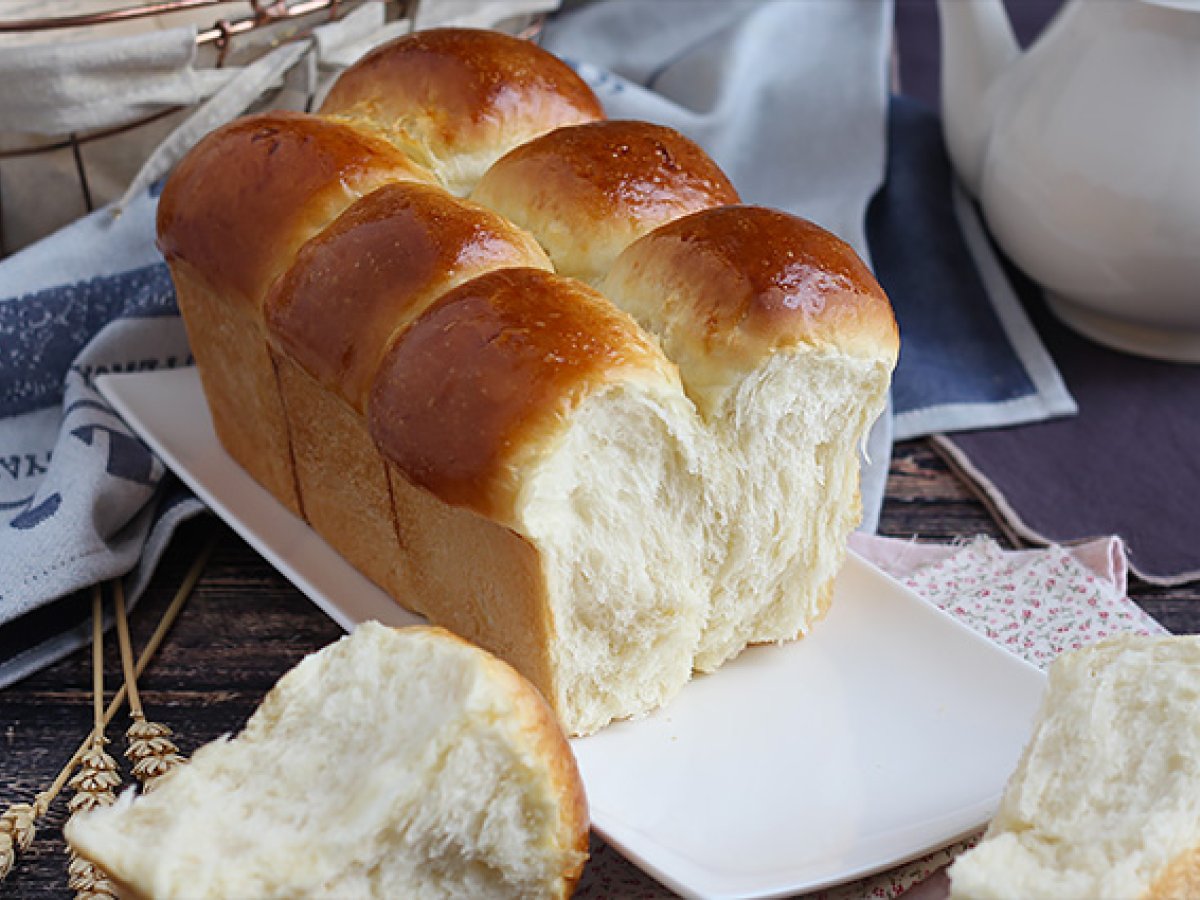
column 81, row 498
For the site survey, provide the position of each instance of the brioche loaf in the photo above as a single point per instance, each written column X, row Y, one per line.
column 393, row 763
column 599, row 418
column 1105, row 802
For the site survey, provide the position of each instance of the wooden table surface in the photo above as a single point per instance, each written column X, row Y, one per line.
column 245, row 625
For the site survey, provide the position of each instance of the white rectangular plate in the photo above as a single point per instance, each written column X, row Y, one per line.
column 888, row 732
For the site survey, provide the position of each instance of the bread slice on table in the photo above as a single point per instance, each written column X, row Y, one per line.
column 393, row 763
column 1105, row 802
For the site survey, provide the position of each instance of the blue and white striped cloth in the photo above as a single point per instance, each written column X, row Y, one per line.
column 81, row 498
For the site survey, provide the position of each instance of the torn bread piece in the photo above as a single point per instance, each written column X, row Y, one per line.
column 1105, row 802
column 393, row 763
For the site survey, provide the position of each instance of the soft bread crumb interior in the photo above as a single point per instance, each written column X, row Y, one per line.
column 1106, row 797
column 670, row 542
column 389, row 765
column 613, row 510
column 785, row 479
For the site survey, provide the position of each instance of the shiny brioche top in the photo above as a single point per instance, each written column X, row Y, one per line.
column 588, row 191
column 375, row 269
column 725, row 287
column 457, row 99
column 249, row 194
column 436, row 317
column 484, row 380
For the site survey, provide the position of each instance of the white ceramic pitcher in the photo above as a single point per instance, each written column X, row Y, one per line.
column 1084, row 152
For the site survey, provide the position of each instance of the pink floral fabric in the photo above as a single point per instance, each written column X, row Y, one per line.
column 1034, row 603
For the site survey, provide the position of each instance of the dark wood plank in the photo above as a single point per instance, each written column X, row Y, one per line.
column 924, row 499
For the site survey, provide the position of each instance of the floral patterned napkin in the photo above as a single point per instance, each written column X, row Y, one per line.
column 1034, row 603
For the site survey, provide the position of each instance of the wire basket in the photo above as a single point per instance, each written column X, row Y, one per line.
column 60, row 158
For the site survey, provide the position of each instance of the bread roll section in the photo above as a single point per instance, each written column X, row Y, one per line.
column 609, row 486
column 528, row 399
column 331, row 323
column 589, row 191
column 785, row 343
column 1105, row 801
column 456, row 100
column 394, row 763
column 230, row 221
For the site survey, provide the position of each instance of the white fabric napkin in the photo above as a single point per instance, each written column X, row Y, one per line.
column 81, row 499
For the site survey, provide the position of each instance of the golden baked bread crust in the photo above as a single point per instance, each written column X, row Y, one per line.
column 247, row 196
column 240, row 384
column 495, row 595
column 588, row 191
column 498, row 446
column 331, row 323
column 230, row 220
column 1179, row 881
column 489, row 373
column 725, row 287
column 762, row 279
column 410, row 244
column 340, row 477
column 468, row 94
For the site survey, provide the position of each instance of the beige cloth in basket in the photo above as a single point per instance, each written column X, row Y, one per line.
column 85, row 80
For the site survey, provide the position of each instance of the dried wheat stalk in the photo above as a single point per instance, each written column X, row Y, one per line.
column 151, row 751
column 97, row 776
column 18, row 822
column 94, row 784
column 16, row 834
